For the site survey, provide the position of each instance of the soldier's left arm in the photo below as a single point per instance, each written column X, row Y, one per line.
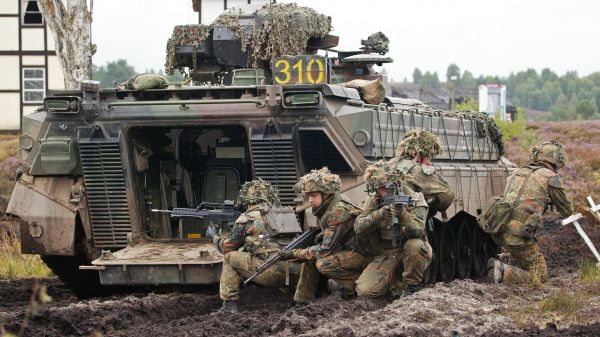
column 338, row 223
column 557, row 194
column 433, row 186
column 413, row 219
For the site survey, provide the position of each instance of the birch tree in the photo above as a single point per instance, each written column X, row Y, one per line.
column 70, row 26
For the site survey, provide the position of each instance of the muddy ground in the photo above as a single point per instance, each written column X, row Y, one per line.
column 462, row 307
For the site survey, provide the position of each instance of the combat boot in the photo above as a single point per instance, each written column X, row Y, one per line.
column 337, row 289
column 230, row 307
column 408, row 290
column 495, row 270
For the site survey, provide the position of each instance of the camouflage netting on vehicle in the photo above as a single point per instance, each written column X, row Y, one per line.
column 144, row 82
column 285, row 31
column 486, row 125
column 320, row 181
column 379, row 42
column 257, row 191
column 184, row 35
column 371, row 92
column 382, row 173
column 419, row 142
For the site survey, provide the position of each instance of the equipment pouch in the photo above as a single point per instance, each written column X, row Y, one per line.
column 496, row 213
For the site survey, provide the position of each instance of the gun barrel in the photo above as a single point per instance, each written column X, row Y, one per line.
column 154, row 210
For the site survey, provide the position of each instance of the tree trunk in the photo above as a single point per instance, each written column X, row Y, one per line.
column 70, row 27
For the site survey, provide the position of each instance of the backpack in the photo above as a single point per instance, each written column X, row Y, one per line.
column 498, row 211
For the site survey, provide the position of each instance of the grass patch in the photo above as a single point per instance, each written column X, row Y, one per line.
column 13, row 264
column 589, row 271
column 559, row 302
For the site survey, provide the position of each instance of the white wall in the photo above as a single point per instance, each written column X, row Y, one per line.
column 32, row 38
column 27, row 109
column 9, row 70
column 9, row 36
column 9, row 111
column 9, row 6
column 33, row 60
column 56, row 80
column 50, row 43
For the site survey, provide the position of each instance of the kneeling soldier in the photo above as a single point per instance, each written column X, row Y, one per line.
column 530, row 189
column 391, row 233
column 335, row 254
column 254, row 235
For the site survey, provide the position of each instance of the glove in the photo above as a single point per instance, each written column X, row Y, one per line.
column 397, row 209
column 216, row 238
column 382, row 213
column 211, row 231
column 286, row 254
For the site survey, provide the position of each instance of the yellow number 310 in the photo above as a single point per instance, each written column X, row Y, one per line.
column 284, row 76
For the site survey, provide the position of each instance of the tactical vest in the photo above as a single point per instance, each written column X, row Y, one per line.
column 272, row 228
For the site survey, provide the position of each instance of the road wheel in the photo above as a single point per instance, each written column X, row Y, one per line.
column 464, row 252
column 447, row 254
column 480, row 252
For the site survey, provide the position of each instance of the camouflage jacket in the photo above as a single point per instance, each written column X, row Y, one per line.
column 335, row 218
column 543, row 188
column 424, row 179
column 246, row 232
column 375, row 233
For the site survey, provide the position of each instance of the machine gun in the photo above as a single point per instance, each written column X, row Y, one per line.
column 392, row 197
column 302, row 241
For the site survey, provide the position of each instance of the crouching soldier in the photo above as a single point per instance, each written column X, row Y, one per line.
column 530, row 190
column 335, row 253
column 413, row 158
column 393, row 233
column 253, row 233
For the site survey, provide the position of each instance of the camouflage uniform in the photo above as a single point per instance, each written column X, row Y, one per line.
column 542, row 186
column 335, row 254
column 412, row 157
column 375, row 232
column 250, row 231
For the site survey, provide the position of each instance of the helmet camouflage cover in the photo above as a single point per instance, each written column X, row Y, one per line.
column 420, row 142
column 257, row 191
column 548, row 152
column 320, row 181
column 381, row 174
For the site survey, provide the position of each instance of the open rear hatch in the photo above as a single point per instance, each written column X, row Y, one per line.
column 160, row 263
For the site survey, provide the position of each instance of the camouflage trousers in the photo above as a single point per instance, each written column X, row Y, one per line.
column 344, row 267
column 281, row 275
column 526, row 260
column 377, row 278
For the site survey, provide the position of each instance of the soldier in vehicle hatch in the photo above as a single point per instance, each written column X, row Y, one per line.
column 413, row 158
column 335, row 254
column 254, row 234
column 531, row 189
column 392, row 233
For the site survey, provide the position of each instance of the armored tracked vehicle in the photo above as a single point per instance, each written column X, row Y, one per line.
column 98, row 161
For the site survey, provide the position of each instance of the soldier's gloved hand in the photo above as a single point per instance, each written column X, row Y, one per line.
column 382, row 213
column 413, row 230
column 397, row 210
column 286, row 254
column 216, row 238
column 211, row 231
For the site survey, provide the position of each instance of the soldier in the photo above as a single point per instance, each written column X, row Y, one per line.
column 251, row 232
column 413, row 158
column 335, row 255
column 531, row 189
column 389, row 246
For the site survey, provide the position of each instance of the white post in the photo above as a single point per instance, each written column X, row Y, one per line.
column 574, row 219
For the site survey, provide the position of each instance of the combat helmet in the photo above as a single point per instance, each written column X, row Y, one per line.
column 548, row 152
column 381, row 174
column 320, row 181
column 257, row 191
column 417, row 142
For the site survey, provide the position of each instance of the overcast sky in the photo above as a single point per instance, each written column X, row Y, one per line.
column 485, row 37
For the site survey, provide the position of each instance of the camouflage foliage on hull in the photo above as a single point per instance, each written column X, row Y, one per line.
column 285, row 30
column 486, row 125
column 184, row 35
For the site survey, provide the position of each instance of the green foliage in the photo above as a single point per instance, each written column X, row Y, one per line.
column 453, row 70
column 586, row 109
column 561, row 302
column 514, row 129
column 417, row 75
column 430, row 80
column 13, row 264
column 116, row 71
column 468, row 105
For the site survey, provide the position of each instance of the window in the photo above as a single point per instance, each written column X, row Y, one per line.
column 32, row 14
column 34, row 85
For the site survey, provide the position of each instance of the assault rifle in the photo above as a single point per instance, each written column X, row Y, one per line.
column 302, row 241
column 205, row 210
column 392, row 197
